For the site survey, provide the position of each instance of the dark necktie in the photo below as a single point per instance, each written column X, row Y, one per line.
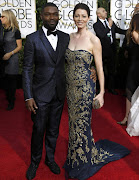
column 51, row 32
column 106, row 24
column 108, row 34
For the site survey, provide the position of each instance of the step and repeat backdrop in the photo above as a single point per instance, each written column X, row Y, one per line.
column 120, row 10
column 66, row 7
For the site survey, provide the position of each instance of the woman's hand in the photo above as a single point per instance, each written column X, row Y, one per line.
column 7, row 56
column 100, row 98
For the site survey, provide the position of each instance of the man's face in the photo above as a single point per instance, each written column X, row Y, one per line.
column 102, row 13
column 50, row 17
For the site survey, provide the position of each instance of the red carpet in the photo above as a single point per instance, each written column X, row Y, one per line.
column 15, row 136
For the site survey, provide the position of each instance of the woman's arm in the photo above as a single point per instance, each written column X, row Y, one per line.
column 17, row 49
column 135, row 37
column 97, row 51
column 19, row 46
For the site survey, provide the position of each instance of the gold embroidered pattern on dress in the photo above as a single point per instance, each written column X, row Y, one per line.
column 80, row 93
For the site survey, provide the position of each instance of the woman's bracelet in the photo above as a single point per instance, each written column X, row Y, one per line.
column 12, row 52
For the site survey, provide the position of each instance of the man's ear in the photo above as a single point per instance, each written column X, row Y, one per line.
column 98, row 15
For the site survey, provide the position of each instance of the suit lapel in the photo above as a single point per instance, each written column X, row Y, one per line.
column 60, row 45
column 104, row 28
column 47, row 45
column 101, row 24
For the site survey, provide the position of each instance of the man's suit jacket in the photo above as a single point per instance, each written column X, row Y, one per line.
column 101, row 32
column 49, row 71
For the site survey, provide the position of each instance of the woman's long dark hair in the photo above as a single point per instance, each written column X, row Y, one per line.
column 134, row 26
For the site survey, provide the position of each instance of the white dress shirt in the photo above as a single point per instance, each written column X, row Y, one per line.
column 110, row 33
column 51, row 38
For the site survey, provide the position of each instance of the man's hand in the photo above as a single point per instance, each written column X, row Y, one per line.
column 93, row 74
column 31, row 105
column 110, row 22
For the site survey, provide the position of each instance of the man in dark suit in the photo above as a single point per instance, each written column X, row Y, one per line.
column 45, row 90
column 105, row 31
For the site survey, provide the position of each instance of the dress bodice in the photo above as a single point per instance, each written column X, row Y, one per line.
column 78, row 65
column 79, row 58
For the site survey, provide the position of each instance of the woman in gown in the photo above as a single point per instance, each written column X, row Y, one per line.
column 85, row 157
column 133, row 71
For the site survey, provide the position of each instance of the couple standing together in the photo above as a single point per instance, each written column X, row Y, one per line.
column 49, row 49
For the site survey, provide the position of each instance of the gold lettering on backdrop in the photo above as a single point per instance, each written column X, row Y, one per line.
column 123, row 11
column 66, row 13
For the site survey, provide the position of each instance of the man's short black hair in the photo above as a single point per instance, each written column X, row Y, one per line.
column 47, row 5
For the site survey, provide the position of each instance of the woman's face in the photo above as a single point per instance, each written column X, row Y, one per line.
column 4, row 19
column 81, row 18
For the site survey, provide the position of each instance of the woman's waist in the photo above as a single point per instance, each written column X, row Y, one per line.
column 78, row 80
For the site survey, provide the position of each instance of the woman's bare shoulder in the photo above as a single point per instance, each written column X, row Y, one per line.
column 94, row 39
column 72, row 35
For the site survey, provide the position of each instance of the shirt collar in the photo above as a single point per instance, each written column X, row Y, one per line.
column 102, row 20
column 45, row 30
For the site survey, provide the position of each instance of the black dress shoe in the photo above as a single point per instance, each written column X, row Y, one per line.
column 53, row 167
column 31, row 172
column 113, row 91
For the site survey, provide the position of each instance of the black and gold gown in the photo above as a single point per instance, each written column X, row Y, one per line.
column 85, row 157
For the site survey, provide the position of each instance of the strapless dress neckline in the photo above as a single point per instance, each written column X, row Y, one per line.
column 80, row 50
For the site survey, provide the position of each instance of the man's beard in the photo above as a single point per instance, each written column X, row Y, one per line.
column 51, row 28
